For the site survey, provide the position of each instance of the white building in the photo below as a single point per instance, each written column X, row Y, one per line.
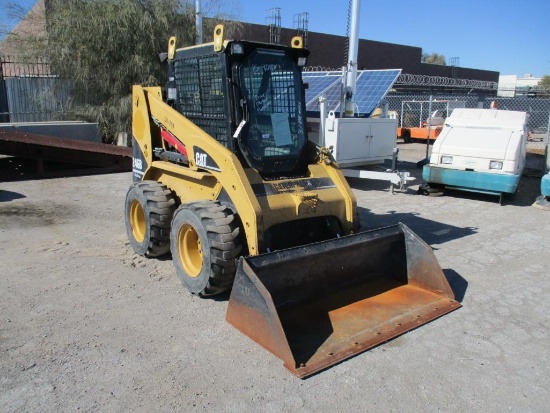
column 512, row 85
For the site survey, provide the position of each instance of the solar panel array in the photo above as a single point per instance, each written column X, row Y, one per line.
column 372, row 86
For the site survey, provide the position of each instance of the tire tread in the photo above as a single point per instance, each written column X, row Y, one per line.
column 224, row 241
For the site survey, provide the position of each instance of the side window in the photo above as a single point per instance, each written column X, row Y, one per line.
column 199, row 81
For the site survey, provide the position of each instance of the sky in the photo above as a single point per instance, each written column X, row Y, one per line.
column 508, row 36
column 511, row 37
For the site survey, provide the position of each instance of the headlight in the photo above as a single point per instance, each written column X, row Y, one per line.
column 447, row 160
column 495, row 165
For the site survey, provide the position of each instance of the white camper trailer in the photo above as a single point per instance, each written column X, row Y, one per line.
column 479, row 150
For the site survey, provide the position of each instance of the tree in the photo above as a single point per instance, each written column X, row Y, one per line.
column 11, row 13
column 103, row 47
column 434, row 58
column 545, row 81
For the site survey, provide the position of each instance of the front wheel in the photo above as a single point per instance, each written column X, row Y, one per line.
column 205, row 242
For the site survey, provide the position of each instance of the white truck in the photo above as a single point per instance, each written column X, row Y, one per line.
column 479, row 150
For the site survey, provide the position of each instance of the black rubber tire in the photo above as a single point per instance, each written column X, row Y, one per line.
column 542, row 202
column 205, row 242
column 149, row 209
column 407, row 136
column 431, row 190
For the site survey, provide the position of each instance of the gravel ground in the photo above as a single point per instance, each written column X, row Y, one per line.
column 86, row 325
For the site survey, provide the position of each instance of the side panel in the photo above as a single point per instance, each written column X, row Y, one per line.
column 472, row 181
column 139, row 163
column 195, row 186
column 545, row 185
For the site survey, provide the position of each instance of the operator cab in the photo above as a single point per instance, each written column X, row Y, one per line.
column 248, row 96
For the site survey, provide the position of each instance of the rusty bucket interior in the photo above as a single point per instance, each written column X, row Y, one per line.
column 316, row 305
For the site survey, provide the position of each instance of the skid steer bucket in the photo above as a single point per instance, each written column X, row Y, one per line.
column 316, row 305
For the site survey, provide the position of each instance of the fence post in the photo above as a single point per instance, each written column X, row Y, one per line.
column 427, row 160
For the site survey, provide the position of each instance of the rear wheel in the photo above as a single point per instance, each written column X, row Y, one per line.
column 205, row 244
column 407, row 136
column 149, row 208
column 431, row 189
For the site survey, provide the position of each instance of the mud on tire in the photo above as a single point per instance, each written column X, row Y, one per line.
column 149, row 209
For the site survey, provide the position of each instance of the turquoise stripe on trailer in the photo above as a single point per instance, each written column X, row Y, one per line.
column 545, row 185
column 472, row 181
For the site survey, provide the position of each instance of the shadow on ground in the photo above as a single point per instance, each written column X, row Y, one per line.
column 458, row 284
column 6, row 196
column 432, row 232
column 527, row 192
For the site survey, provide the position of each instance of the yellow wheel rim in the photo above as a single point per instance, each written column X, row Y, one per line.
column 190, row 250
column 137, row 221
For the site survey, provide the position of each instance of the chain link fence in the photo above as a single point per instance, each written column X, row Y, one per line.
column 412, row 112
column 30, row 93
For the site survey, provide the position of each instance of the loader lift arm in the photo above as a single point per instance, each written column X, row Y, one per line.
column 207, row 158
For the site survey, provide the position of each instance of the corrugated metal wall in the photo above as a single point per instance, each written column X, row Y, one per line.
column 29, row 93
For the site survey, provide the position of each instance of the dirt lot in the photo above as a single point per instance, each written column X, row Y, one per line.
column 86, row 325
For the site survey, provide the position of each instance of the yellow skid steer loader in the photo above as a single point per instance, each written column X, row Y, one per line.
column 225, row 179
